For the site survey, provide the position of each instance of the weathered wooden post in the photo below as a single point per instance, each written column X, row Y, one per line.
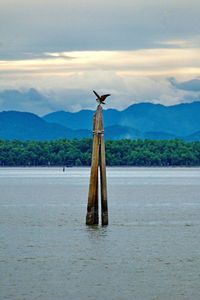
column 98, row 159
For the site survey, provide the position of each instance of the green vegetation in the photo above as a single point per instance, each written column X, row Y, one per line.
column 78, row 153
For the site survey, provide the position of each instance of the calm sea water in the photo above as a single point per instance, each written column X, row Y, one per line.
column 150, row 250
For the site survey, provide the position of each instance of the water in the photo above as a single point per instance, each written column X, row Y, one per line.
column 150, row 250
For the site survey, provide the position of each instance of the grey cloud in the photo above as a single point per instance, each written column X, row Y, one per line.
column 124, row 92
column 46, row 101
column 191, row 98
column 190, row 85
column 47, row 26
column 29, row 100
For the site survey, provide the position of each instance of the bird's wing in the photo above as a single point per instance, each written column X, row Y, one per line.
column 103, row 97
column 97, row 95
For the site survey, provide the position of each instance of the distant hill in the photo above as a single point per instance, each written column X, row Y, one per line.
column 117, row 132
column 176, row 121
column 193, row 137
column 138, row 121
column 81, row 119
column 28, row 126
column 158, row 136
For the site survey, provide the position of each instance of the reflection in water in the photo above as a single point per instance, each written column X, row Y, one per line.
column 97, row 231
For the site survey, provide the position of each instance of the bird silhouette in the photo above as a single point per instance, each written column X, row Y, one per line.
column 101, row 99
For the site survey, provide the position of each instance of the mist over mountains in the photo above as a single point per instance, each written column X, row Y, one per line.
column 138, row 121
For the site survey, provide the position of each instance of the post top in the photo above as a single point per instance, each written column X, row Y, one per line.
column 99, row 107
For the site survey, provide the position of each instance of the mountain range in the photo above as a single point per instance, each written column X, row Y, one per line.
column 143, row 120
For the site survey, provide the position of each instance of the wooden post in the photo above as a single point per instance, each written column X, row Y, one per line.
column 98, row 158
column 104, row 205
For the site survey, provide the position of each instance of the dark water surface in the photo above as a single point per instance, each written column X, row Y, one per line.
column 150, row 250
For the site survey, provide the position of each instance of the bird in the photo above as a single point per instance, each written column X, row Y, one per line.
column 101, row 99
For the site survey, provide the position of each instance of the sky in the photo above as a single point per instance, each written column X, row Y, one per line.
column 54, row 53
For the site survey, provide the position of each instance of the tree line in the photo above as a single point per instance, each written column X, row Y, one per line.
column 118, row 153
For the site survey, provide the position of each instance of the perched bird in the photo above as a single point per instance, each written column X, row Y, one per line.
column 101, row 99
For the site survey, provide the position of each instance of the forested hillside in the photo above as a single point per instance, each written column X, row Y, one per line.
column 78, row 153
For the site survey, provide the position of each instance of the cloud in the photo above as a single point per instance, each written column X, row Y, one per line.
column 27, row 100
column 66, row 79
column 192, row 85
column 124, row 91
column 45, row 26
column 65, row 49
column 146, row 62
column 189, row 42
column 58, row 55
